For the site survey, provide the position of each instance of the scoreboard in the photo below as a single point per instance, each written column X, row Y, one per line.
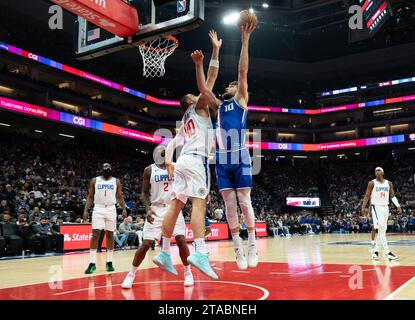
column 375, row 14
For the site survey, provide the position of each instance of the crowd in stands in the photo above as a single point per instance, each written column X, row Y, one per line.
column 42, row 188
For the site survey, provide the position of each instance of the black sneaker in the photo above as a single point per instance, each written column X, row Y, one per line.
column 392, row 257
column 110, row 267
column 91, row 268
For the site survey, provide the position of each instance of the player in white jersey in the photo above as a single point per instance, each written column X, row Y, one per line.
column 156, row 197
column 104, row 192
column 233, row 162
column 379, row 191
column 191, row 173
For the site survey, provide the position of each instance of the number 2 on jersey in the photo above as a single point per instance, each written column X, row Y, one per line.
column 166, row 186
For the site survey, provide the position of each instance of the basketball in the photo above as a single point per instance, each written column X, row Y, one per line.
column 247, row 17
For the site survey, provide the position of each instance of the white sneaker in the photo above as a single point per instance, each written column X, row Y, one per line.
column 375, row 255
column 391, row 256
column 188, row 279
column 128, row 281
column 252, row 257
column 240, row 259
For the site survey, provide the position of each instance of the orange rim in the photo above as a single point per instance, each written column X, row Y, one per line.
column 171, row 38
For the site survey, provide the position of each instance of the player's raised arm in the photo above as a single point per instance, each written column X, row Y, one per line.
column 214, row 62
column 242, row 93
column 89, row 199
column 393, row 198
column 120, row 198
column 366, row 199
column 207, row 97
column 145, row 194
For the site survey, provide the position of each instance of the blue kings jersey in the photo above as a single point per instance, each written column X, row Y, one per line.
column 230, row 126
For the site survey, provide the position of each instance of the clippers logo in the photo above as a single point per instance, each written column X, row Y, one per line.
column 412, row 136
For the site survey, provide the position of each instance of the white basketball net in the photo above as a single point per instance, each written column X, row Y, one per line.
column 155, row 53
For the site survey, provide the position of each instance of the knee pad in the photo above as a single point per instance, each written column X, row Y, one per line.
column 244, row 199
column 229, row 197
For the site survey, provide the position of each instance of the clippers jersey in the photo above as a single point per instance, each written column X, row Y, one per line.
column 197, row 131
column 160, row 191
column 105, row 191
column 230, row 126
column 380, row 193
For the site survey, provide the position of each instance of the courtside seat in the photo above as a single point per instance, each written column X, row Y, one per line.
column 14, row 243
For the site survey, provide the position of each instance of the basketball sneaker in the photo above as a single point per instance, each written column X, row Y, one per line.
column 201, row 262
column 109, row 267
column 163, row 260
column 240, row 259
column 375, row 255
column 391, row 256
column 252, row 257
column 188, row 279
column 91, row 268
column 128, row 281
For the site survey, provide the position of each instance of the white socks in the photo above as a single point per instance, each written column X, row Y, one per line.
column 166, row 245
column 237, row 241
column 109, row 255
column 187, row 269
column 133, row 270
column 251, row 238
column 92, row 255
column 201, row 245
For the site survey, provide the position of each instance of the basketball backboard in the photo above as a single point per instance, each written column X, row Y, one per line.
column 165, row 19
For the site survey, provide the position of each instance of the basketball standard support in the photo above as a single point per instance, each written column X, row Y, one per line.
column 115, row 16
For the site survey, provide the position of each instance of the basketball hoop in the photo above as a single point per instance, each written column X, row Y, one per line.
column 155, row 53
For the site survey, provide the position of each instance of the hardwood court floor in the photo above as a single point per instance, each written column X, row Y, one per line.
column 301, row 267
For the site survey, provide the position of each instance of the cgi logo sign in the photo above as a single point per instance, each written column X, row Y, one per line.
column 79, row 121
column 282, row 146
column 33, row 56
column 382, row 140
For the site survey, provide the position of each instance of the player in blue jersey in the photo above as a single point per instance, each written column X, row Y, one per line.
column 233, row 162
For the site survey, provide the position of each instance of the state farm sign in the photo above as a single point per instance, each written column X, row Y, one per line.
column 77, row 236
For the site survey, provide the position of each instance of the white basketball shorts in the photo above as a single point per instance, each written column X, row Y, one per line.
column 152, row 231
column 104, row 218
column 191, row 178
column 380, row 215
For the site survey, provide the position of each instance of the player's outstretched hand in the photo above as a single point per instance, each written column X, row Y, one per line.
column 399, row 209
column 247, row 29
column 197, row 56
column 216, row 43
column 150, row 216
